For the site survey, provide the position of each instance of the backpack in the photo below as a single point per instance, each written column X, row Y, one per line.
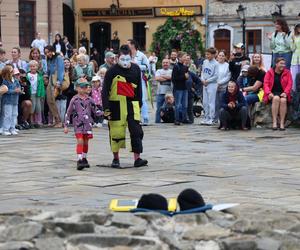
column 276, row 32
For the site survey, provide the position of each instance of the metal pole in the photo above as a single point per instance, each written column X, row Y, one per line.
column 244, row 33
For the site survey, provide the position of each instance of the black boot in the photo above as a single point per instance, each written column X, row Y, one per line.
column 80, row 165
column 140, row 163
column 115, row 163
column 86, row 163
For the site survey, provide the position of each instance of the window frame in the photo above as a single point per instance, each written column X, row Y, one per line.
column 138, row 38
column 27, row 43
column 254, row 40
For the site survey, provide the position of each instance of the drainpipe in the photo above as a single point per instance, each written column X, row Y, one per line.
column 207, row 23
column 49, row 22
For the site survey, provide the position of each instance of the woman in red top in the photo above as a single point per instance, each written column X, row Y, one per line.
column 277, row 89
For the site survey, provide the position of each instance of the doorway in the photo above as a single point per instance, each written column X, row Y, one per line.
column 100, row 37
column 222, row 40
column 69, row 21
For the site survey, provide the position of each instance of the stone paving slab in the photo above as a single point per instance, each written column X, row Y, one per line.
column 258, row 168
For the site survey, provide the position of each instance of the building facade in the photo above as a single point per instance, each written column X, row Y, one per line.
column 107, row 22
column 21, row 19
column 225, row 26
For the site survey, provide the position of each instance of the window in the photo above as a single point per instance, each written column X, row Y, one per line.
column 222, row 40
column 253, row 40
column 26, row 22
column 139, row 34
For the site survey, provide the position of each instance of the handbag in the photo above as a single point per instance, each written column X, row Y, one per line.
column 261, row 95
column 64, row 85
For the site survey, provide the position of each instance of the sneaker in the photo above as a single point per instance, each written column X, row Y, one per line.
column 115, row 163
column 177, row 123
column 203, row 122
column 145, row 122
column 86, row 163
column 80, row 165
column 6, row 133
column 140, row 163
column 14, row 132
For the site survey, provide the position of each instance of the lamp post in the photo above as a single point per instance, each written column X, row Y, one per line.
column 114, row 8
column 277, row 14
column 241, row 11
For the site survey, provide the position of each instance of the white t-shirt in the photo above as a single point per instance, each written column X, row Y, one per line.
column 164, row 87
column 33, row 82
column 39, row 44
column 57, row 48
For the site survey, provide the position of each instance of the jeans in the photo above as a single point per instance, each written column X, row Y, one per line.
column 10, row 113
column 220, row 93
column 229, row 119
column 144, row 109
column 295, row 69
column 209, row 101
column 1, row 114
column 160, row 99
column 190, row 113
column 286, row 56
column 251, row 99
column 181, row 102
column 61, row 107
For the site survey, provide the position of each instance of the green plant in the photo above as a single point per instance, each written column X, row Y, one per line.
column 178, row 34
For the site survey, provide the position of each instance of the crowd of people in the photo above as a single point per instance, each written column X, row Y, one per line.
column 37, row 92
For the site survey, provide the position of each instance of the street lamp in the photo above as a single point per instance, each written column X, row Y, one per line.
column 277, row 14
column 114, row 8
column 241, row 11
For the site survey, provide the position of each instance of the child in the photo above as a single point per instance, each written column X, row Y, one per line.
column 83, row 69
column 209, row 79
column 81, row 108
column 167, row 112
column 96, row 96
column 10, row 101
column 37, row 91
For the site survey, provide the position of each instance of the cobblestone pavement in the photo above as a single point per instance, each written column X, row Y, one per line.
column 258, row 168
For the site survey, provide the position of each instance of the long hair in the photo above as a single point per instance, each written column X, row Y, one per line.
column 7, row 72
column 296, row 32
column 261, row 63
column 32, row 50
column 283, row 24
column 70, row 73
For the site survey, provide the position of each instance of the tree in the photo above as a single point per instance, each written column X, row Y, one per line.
column 176, row 34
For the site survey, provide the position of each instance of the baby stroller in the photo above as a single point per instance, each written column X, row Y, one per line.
column 198, row 106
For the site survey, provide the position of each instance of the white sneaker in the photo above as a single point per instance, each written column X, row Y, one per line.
column 204, row 122
column 6, row 133
column 209, row 123
column 99, row 125
column 14, row 132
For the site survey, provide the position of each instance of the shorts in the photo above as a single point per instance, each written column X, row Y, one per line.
column 83, row 136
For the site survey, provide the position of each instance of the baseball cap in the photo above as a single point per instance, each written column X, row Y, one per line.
column 82, row 82
column 16, row 71
column 96, row 78
column 109, row 54
column 239, row 46
column 245, row 68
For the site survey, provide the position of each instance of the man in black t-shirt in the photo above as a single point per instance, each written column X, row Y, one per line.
column 237, row 59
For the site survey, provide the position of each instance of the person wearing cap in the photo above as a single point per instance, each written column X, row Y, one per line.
column 295, row 45
column 237, row 59
column 82, row 108
column 244, row 79
column 109, row 60
column 96, row 96
column 122, row 102
column 10, row 100
column 2, row 58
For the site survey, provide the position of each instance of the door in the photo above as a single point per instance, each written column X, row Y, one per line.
column 100, row 37
column 222, row 40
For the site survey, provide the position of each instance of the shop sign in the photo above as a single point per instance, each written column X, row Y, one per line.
column 179, row 11
column 119, row 12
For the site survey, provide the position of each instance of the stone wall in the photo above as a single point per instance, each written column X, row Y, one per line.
column 91, row 230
